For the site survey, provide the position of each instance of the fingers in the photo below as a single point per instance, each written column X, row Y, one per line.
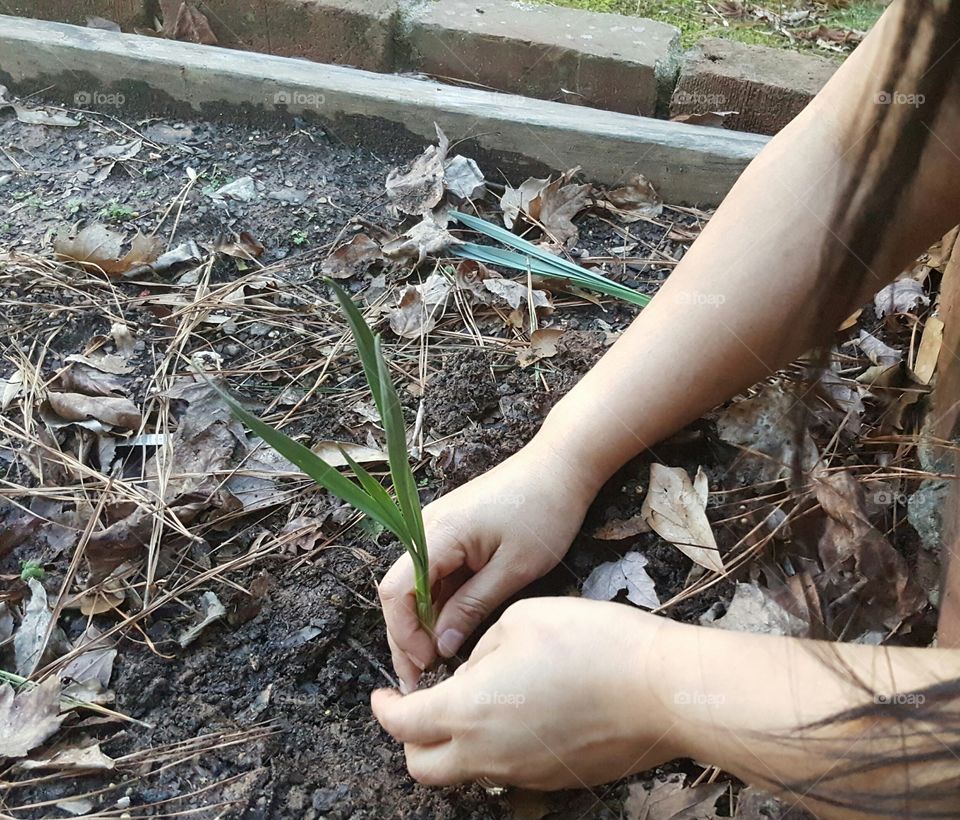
column 412, row 648
column 470, row 605
column 420, row 717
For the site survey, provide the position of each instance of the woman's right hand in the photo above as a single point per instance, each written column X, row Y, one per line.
column 487, row 540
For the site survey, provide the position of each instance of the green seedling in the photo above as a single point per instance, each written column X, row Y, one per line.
column 526, row 256
column 402, row 517
column 298, row 237
column 116, row 212
column 31, row 569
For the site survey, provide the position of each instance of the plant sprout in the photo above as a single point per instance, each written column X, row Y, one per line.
column 402, row 517
column 528, row 257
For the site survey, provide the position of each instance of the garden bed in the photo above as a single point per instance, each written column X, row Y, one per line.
column 264, row 712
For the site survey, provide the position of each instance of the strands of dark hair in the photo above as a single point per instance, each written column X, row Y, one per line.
column 894, row 736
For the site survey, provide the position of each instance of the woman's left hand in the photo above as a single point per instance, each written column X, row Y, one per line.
column 560, row 692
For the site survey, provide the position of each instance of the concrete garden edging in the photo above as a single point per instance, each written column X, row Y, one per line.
column 686, row 163
column 607, row 61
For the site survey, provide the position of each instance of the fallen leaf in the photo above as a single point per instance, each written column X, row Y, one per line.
column 635, row 200
column 762, row 426
column 94, row 666
column 419, row 188
column 429, row 236
column 710, row 119
column 243, row 189
column 240, row 246
column 463, row 178
column 10, row 389
column 113, row 411
column 84, row 756
column 212, row 611
column 30, row 641
column 516, row 294
column 543, row 345
column 352, row 258
column 182, row 21
column 516, row 201
column 855, row 553
column 608, row 580
column 667, row 799
column 621, row 528
column 332, row 453
column 556, row 208
column 754, row 610
column 29, row 718
column 36, row 116
column 470, row 276
column 929, row 351
column 675, row 508
column 81, row 378
column 900, row 296
column 420, row 306
column 99, row 247
column 877, row 352
column 181, row 258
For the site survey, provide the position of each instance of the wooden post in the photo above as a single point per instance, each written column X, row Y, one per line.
column 946, row 428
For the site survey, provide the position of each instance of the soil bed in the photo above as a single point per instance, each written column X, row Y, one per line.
column 288, row 671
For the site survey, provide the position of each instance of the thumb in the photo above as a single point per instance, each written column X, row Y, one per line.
column 473, row 602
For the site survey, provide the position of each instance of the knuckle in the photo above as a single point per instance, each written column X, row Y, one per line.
column 473, row 608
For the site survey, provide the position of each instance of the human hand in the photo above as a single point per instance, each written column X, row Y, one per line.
column 487, row 540
column 560, row 692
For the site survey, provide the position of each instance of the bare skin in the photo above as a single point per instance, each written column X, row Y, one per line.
column 567, row 660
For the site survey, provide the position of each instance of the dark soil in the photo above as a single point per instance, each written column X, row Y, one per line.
column 306, row 655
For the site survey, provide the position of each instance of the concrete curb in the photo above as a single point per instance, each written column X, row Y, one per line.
column 686, row 163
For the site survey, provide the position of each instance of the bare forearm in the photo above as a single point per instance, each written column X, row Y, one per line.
column 747, row 297
column 752, row 717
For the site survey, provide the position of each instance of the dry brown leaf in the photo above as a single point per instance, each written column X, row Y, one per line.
column 877, row 352
column 243, row 245
column 84, row 756
column 516, row 294
column 81, row 378
column 543, row 345
column 753, row 609
column 516, row 201
column 710, row 119
column 420, row 306
column 675, row 508
column 463, row 178
column 330, row 452
column 470, row 276
column 182, row 21
column 852, row 547
column 762, row 426
column 557, row 206
column 608, row 580
column 29, row 718
column 99, row 247
column 211, row 611
column 929, row 351
column 620, row 528
column 111, row 410
column 669, row 800
column 419, row 188
column 352, row 258
column 635, row 200
column 429, row 236
column 900, row 296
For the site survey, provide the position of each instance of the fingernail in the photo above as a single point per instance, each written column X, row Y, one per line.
column 421, row 665
column 404, row 687
column 449, row 642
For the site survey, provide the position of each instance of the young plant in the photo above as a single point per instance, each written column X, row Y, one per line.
column 528, row 257
column 402, row 517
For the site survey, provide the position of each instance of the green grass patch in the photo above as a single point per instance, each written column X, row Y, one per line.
column 697, row 21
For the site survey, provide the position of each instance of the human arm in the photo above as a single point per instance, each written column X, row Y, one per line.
column 757, row 263
column 570, row 693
